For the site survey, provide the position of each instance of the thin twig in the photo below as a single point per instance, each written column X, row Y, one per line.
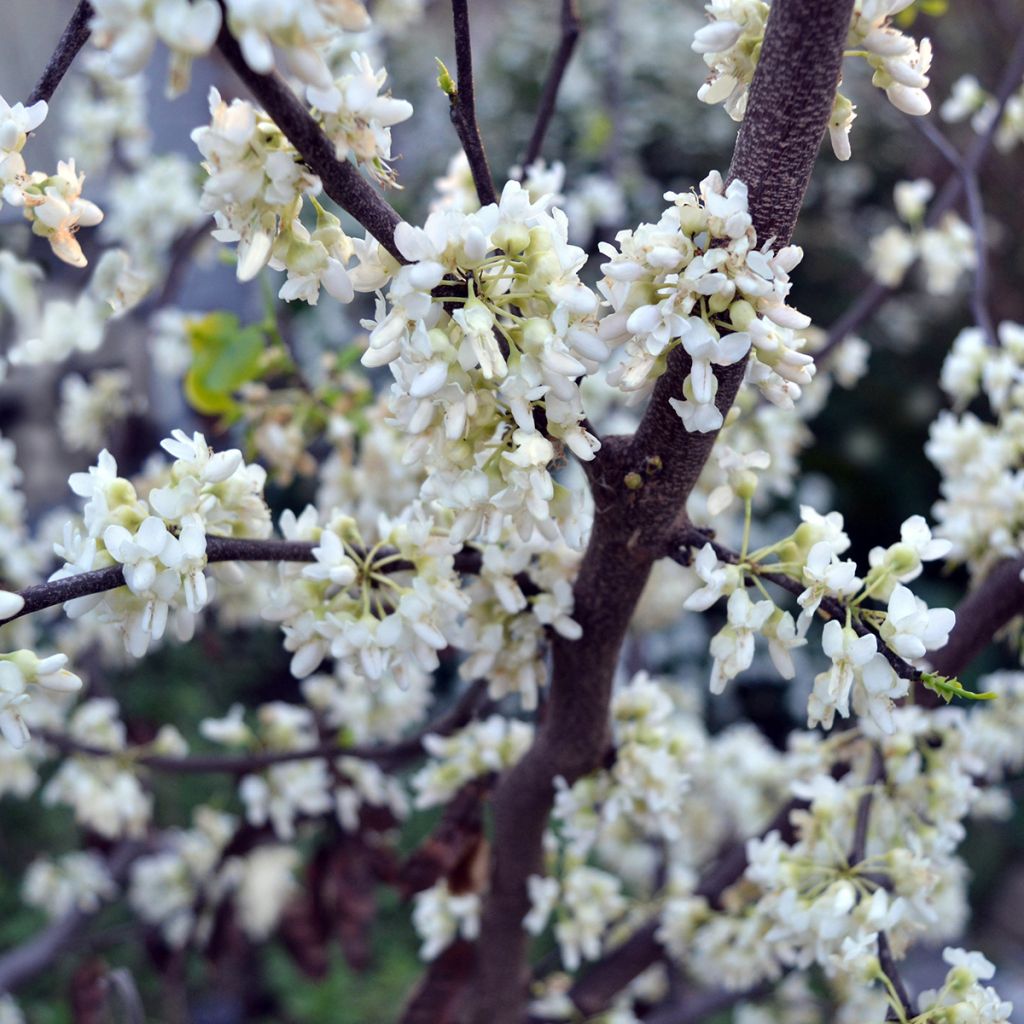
column 391, row 755
column 341, row 181
column 218, row 549
column 829, row 607
column 976, row 213
column 570, row 23
column 876, row 773
column 463, row 107
column 890, row 970
column 72, row 39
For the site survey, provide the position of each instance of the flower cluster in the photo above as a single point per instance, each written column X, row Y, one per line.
column 19, row 671
column 696, row 279
column 90, row 410
column 52, row 203
column 160, row 540
column 946, row 250
column 492, row 745
column 296, row 789
column 254, row 189
column 385, row 608
column 982, row 488
column 968, row 99
column 357, row 119
column 520, row 590
column 129, row 29
column 862, row 643
column 477, row 370
column 104, row 792
column 303, row 30
column 78, row 880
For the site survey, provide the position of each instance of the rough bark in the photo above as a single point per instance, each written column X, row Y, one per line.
column 790, row 101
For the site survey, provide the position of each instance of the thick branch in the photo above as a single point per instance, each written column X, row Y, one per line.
column 997, row 599
column 72, row 39
column 559, row 63
column 341, row 181
column 463, row 107
column 790, row 101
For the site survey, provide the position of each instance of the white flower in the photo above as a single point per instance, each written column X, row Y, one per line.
column 733, row 646
column 911, row 628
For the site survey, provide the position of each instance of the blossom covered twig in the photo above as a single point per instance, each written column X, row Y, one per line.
column 218, row 549
column 341, row 181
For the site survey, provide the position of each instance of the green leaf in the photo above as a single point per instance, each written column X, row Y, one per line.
column 225, row 356
column 948, row 688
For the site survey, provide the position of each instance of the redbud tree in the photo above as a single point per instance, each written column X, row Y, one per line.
column 409, row 594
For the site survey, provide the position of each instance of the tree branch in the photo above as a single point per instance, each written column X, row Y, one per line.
column 218, row 549
column 998, row 598
column 463, row 107
column 976, row 213
column 391, row 755
column 570, row 24
column 72, row 39
column 341, row 181
column 790, row 102
column 889, row 969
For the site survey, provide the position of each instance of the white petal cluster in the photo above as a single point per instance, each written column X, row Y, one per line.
column 104, row 792
column 53, row 204
column 969, row 100
column 503, row 630
column 696, row 279
column 440, row 916
column 302, row 29
column 945, row 251
column 357, row 119
column 160, row 541
column 491, row 745
column 980, row 511
column 962, row 996
column 592, row 900
column 78, row 880
column 20, row 671
column 255, row 189
column 167, row 888
column 473, row 373
column 91, row 409
column 644, row 791
column 129, row 29
column 900, row 62
column 731, row 46
column 349, row 604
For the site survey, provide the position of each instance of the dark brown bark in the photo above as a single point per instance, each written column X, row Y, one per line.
column 790, row 101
